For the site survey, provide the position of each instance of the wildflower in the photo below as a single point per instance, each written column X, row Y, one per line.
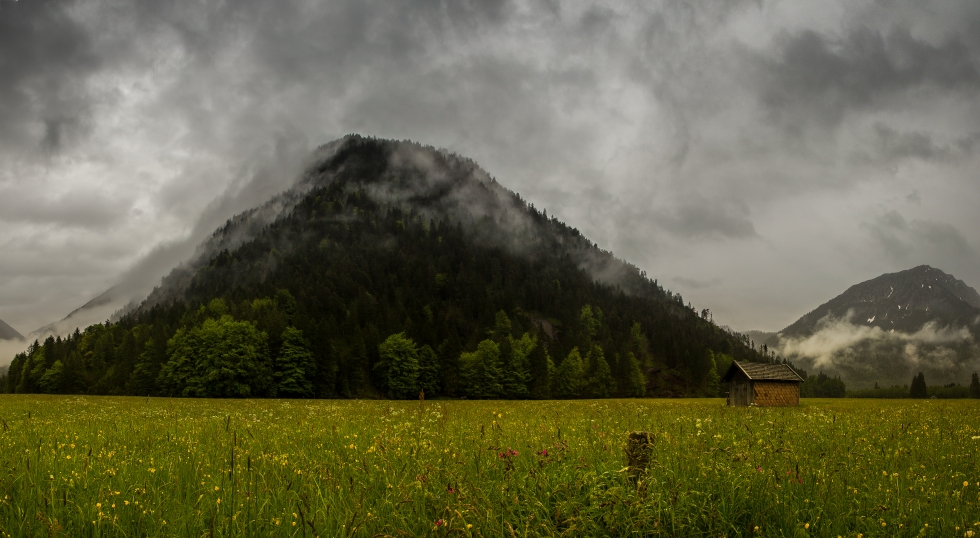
column 450, row 489
column 543, row 453
column 439, row 523
column 965, row 484
column 807, row 526
column 469, row 526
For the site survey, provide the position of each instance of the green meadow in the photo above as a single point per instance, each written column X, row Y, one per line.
column 105, row 466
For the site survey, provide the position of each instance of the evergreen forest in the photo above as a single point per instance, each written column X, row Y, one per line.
column 389, row 270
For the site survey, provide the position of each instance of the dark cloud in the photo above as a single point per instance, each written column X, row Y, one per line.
column 45, row 56
column 913, row 242
column 673, row 134
column 708, row 219
column 816, row 78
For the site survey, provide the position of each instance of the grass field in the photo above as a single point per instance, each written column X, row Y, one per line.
column 93, row 466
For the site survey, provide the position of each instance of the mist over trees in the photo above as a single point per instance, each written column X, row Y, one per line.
column 357, row 293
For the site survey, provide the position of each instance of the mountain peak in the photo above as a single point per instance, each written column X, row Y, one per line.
column 904, row 301
column 8, row 333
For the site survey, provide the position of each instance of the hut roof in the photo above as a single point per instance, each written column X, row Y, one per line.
column 757, row 371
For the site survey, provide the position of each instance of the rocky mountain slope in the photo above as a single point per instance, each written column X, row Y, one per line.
column 888, row 328
column 8, row 333
column 904, row 301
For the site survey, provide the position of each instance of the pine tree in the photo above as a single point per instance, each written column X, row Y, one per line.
column 918, row 387
column 540, row 370
column 975, row 386
column 295, row 366
column 567, row 381
column 143, row 380
column 399, row 364
column 713, row 381
column 637, row 385
column 600, row 381
column 429, row 374
column 517, row 374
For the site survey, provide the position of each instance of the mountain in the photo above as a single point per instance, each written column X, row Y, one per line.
column 888, row 328
column 390, row 268
column 8, row 333
column 106, row 305
column 903, row 301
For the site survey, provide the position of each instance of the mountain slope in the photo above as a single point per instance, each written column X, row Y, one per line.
column 903, row 301
column 383, row 238
column 8, row 333
column 888, row 328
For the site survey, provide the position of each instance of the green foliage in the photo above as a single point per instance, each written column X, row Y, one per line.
column 713, row 380
column 398, row 364
column 599, row 380
column 637, row 385
column 517, row 370
column 295, row 366
column 918, row 387
column 975, row 386
column 51, row 380
column 822, row 386
column 429, row 374
column 221, row 358
column 569, row 376
column 482, row 371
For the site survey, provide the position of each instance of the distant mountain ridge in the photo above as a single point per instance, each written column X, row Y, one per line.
column 885, row 330
column 8, row 333
column 904, row 301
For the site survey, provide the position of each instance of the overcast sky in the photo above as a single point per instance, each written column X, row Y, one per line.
column 757, row 157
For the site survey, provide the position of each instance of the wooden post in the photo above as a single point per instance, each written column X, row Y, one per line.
column 639, row 445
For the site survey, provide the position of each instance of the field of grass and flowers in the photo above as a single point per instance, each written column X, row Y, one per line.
column 99, row 466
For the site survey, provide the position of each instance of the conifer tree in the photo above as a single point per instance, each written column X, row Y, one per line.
column 429, row 374
column 567, row 382
column 399, row 366
column 540, row 367
column 713, row 380
column 600, row 382
column 295, row 367
column 637, row 385
column 517, row 374
column 918, row 387
column 975, row 386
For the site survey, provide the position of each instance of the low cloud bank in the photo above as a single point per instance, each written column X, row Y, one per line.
column 864, row 355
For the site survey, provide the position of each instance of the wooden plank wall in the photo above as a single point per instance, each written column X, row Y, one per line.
column 776, row 393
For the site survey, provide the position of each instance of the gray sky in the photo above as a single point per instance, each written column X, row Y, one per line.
column 757, row 157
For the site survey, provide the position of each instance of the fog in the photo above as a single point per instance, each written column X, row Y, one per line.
column 755, row 156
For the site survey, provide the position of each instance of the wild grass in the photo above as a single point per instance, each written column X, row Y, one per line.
column 95, row 466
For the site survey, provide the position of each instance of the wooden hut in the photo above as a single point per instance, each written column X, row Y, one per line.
column 762, row 384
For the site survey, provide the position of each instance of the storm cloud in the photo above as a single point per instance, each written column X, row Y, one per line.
column 764, row 147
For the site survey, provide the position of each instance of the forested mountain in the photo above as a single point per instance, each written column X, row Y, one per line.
column 889, row 328
column 388, row 269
